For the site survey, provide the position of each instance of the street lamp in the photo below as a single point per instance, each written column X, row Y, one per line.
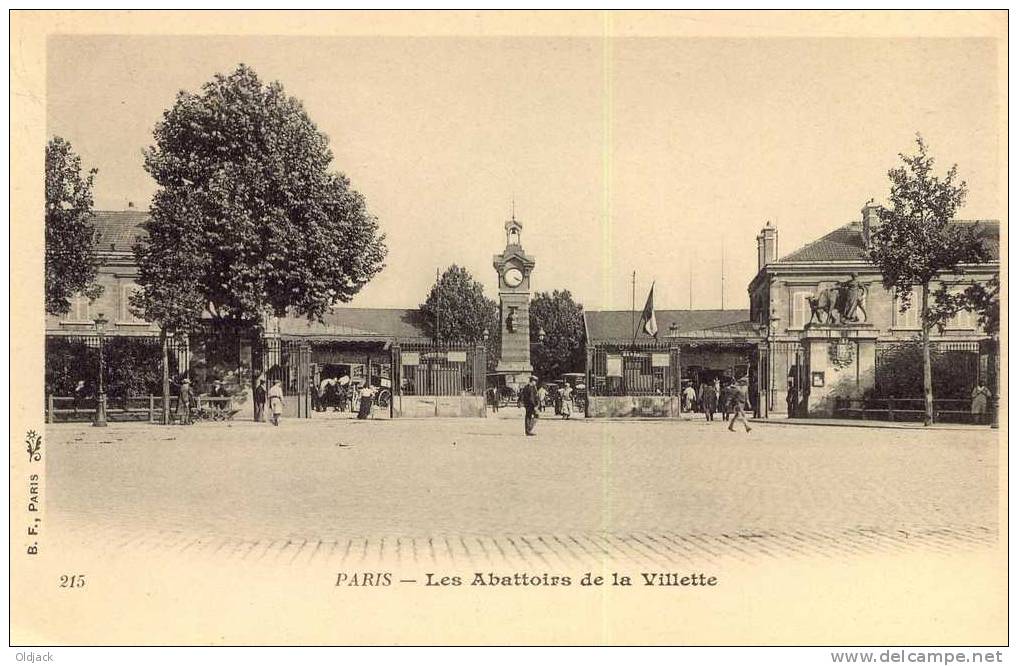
column 541, row 335
column 100, row 412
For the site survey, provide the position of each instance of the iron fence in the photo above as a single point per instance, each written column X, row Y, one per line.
column 425, row 368
column 617, row 370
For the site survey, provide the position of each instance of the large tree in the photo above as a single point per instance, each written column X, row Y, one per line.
column 247, row 216
column 561, row 319
column 71, row 264
column 916, row 244
column 456, row 309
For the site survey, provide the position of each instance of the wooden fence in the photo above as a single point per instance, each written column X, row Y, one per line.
column 945, row 410
column 141, row 408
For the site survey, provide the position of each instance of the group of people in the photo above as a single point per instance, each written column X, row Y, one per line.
column 331, row 392
column 730, row 399
column 274, row 397
column 533, row 398
column 187, row 400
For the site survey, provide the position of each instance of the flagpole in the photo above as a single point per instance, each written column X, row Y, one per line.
column 632, row 314
column 722, row 273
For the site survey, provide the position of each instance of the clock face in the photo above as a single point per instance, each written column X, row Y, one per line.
column 513, row 277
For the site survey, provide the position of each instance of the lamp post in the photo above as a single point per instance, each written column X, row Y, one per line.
column 995, row 397
column 100, row 412
column 773, row 322
column 541, row 335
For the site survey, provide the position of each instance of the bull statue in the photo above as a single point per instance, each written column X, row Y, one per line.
column 841, row 304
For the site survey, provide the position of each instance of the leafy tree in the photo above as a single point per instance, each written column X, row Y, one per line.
column 132, row 366
column 899, row 372
column 71, row 264
column 247, row 217
column 984, row 300
column 561, row 319
column 916, row 243
column 456, row 309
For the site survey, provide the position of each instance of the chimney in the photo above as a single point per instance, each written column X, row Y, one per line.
column 766, row 246
column 870, row 220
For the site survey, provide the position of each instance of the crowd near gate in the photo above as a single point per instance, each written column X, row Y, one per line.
column 648, row 377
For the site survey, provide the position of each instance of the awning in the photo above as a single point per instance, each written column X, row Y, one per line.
column 353, row 341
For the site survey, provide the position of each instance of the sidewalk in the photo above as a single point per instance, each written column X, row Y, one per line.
column 855, row 423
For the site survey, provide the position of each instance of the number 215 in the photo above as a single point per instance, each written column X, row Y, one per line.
column 77, row 580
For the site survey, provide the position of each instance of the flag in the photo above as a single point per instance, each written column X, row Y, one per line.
column 648, row 318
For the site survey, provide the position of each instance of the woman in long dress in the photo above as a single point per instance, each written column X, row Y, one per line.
column 567, row 400
column 367, row 394
column 275, row 397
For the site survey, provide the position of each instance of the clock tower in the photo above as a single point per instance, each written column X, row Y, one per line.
column 514, row 268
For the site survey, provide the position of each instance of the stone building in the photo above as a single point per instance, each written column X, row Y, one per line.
column 793, row 294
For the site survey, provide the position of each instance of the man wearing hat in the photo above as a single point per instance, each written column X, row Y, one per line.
column 740, row 398
column 184, row 402
column 259, row 400
column 528, row 396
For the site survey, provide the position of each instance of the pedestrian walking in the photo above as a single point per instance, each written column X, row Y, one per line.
column 275, row 396
column 980, row 397
column 184, row 397
column 542, row 397
column 259, row 401
column 367, row 395
column 492, row 395
column 556, row 398
column 528, row 396
column 740, row 400
column 710, row 400
column 567, row 401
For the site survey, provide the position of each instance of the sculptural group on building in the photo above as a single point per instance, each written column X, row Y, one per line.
column 845, row 303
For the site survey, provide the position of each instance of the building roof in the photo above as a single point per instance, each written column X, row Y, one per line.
column 374, row 323
column 118, row 230
column 740, row 329
column 846, row 243
column 617, row 325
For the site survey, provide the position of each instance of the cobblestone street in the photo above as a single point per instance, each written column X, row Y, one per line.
column 478, row 492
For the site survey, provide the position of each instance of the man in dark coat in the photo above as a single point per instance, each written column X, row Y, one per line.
column 792, row 398
column 528, row 396
column 725, row 400
column 710, row 400
column 259, row 401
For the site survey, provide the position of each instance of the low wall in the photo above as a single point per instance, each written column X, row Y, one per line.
column 660, row 406
column 419, row 406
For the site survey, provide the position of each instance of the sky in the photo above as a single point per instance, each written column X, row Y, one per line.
column 646, row 154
